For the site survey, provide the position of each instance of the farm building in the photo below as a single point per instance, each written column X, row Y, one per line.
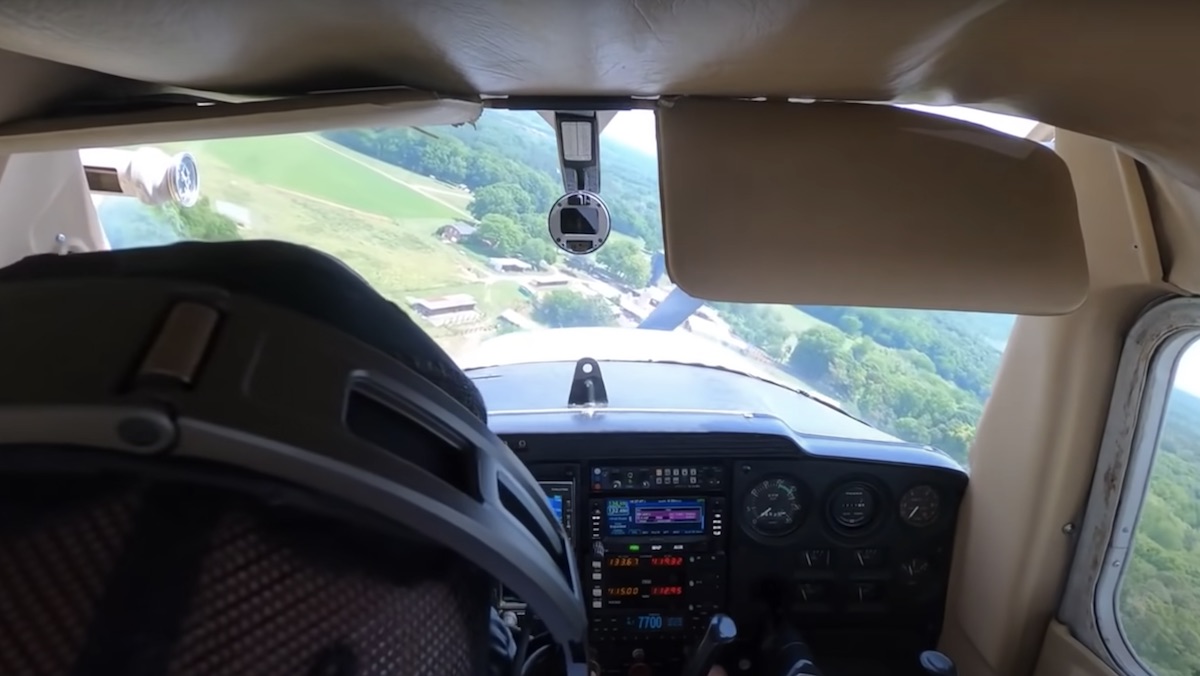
column 607, row 291
column 509, row 265
column 518, row 320
column 432, row 307
column 455, row 232
column 548, row 282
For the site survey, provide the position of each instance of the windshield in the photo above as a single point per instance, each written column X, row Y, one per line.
column 450, row 223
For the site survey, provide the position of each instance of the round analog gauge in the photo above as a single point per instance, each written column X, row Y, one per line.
column 920, row 506
column 914, row 570
column 772, row 508
column 853, row 506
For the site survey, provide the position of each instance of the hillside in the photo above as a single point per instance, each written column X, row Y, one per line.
column 516, row 150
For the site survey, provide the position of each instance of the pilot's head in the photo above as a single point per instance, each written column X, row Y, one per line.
column 240, row 459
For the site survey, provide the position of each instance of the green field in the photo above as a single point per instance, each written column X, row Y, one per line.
column 398, row 255
column 443, row 191
column 298, row 163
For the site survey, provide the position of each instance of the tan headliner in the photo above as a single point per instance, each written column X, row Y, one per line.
column 1113, row 70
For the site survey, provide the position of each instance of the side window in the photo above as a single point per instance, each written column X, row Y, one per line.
column 1133, row 593
column 1158, row 596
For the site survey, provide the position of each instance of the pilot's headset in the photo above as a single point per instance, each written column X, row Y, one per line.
column 240, row 459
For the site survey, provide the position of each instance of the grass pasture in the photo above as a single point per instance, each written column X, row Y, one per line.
column 396, row 254
column 299, row 163
column 443, row 191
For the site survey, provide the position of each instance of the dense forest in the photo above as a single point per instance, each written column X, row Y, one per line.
column 921, row 375
column 1160, row 595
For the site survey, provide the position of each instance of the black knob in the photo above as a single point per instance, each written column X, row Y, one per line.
column 938, row 664
column 788, row 654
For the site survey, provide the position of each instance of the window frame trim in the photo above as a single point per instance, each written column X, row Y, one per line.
column 1144, row 380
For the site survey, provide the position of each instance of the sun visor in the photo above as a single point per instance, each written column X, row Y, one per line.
column 230, row 118
column 871, row 205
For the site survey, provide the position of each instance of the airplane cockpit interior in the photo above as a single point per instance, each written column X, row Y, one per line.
column 836, row 339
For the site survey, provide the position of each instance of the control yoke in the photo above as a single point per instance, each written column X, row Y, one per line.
column 720, row 631
column 787, row 653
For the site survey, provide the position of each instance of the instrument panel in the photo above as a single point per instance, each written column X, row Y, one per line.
column 671, row 528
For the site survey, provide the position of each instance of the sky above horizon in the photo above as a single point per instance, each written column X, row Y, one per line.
column 635, row 128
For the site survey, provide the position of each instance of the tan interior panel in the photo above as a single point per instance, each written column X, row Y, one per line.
column 1062, row 655
column 224, row 120
column 1174, row 207
column 1109, row 69
column 947, row 214
column 46, row 207
column 1029, row 480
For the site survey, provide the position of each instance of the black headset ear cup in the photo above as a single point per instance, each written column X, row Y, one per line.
column 291, row 276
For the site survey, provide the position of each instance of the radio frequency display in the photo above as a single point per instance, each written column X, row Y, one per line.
column 654, row 622
column 643, row 591
column 633, row 517
column 656, row 561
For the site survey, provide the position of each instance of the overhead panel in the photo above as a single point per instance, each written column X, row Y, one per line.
column 213, row 118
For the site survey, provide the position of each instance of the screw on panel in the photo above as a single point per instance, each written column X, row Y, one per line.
column 1069, row 528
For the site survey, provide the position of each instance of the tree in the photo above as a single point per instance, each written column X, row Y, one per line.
column 500, row 233
column 505, row 199
column 758, row 325
column 200, row 222
column 537, row 250
column 963, row 358
column 446, row 159
column 626, row 261
column 815, row 350
column 850, row 324
column 567, row 308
